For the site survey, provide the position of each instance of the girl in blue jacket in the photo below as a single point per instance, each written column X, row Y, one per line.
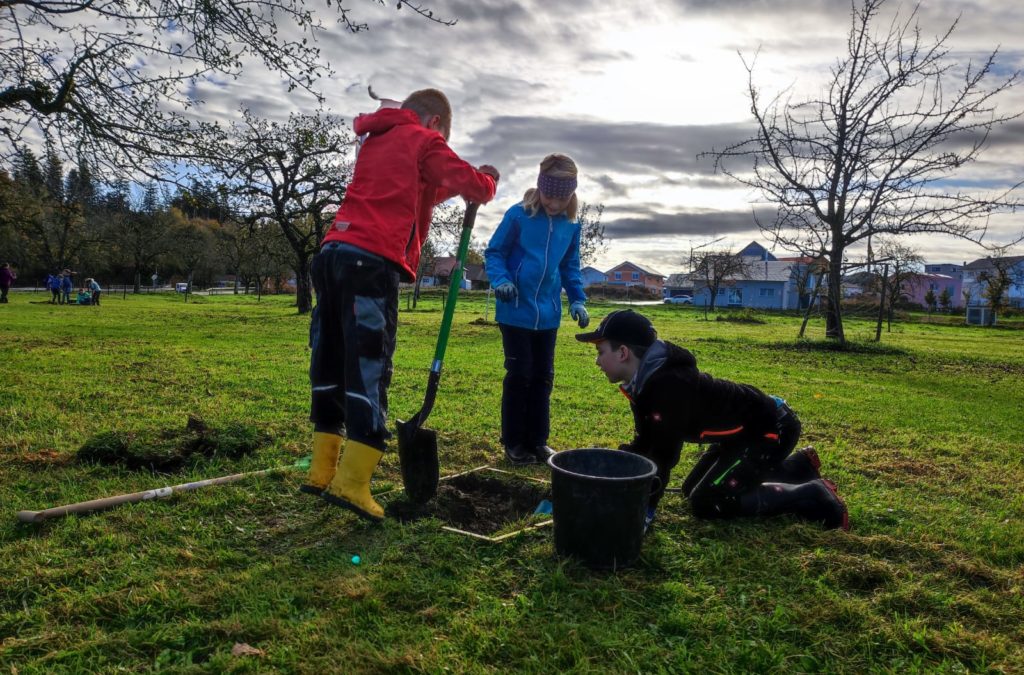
column 533, row 255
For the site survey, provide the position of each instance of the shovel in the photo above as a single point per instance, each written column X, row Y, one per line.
column 417, row 446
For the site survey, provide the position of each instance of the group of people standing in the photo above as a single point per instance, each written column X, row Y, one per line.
column 61, row 285
column 404, row 168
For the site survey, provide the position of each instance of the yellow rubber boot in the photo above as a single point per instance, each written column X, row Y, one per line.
column 350, row 488
column 326, row 448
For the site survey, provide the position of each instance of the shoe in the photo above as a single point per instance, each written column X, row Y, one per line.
column 844, row 517
column 520, row 455
column 326, row 448
column 800, row 467
column 350, row 488
column 542, row 453
column 815, row 501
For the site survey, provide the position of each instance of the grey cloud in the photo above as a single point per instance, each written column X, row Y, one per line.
column 686, row 224
column 602, row 147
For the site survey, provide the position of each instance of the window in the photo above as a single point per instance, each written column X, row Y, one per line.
column 767, row 292
column 721, row 291
column 618, row 276
column 636, row 276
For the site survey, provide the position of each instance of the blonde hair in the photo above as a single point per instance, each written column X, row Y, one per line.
column 557, row 166
column 429, row 102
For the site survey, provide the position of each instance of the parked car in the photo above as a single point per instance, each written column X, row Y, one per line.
column 679, row 300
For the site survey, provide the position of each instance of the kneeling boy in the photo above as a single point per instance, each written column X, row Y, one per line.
column 749, row 468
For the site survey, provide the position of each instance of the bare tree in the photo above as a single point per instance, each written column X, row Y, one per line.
column 898, row 115
column 592, row 241
column 1003, row 272
column 116, row 78
column 904, row 263
column 719, row 269
column 294, row 174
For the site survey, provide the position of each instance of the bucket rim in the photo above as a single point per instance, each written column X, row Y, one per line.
column 652, row 470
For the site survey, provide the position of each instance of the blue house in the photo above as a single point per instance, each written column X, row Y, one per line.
column 593, row 276
column 765, row 282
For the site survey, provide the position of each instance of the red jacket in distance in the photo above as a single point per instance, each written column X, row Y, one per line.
column 403, row 170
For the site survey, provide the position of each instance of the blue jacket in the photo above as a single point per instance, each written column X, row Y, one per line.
column 540, row 255
column 66, row 284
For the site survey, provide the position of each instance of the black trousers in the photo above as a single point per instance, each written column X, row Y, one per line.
column 352, row 341
column 526, row 390
column 727, row 470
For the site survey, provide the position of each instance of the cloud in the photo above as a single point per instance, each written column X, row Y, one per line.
column 602, row 147
column 705, row 223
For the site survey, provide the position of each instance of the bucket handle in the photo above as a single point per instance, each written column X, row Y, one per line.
column 655, row 484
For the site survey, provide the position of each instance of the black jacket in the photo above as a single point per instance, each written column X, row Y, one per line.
column 673, row 403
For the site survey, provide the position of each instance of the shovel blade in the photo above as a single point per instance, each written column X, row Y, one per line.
column 417, row 454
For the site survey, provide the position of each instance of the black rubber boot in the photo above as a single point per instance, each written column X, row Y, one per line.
column 542, row 453
column 801, row 466
column 815, row 501
column 520, row 455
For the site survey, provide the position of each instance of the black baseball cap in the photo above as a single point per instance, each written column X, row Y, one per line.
column 624, row 326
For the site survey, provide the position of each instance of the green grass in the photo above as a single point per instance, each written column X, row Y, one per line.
column 922, row 433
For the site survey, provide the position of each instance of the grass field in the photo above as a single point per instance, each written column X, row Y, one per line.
column 922, row 433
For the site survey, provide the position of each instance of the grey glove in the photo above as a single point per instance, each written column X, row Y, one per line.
column 579, row 314
column 506, row 292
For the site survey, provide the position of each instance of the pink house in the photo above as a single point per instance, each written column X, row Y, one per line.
column 919, row 285
column 631, row 274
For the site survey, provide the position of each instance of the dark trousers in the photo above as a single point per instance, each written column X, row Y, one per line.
column 727, row 470
column 526, row 390
column 56, row 295
column 352, row 341
column 3, row 293
column 96, row 297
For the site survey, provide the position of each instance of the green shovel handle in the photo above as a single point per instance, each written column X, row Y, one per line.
column 453, row 286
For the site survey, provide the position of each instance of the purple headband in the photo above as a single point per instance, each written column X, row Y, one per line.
column 558, row 188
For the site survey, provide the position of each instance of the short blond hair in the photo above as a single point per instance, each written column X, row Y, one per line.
column 429, row 102
column 557, row 166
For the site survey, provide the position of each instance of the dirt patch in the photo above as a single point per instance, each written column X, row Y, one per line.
column 170, row 449
column 475, row 502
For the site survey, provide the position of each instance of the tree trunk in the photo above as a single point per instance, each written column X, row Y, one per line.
column 810, row 305
column 881, row 303
column 137, row 281
column 303, row 286
column 833, row 312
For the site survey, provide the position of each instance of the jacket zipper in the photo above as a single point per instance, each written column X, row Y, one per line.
column 544, row 274
column 518, row 270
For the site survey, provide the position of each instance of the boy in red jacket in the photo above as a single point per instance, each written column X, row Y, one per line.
column 404, row 168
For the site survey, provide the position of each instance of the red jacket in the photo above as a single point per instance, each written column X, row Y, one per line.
column 402, row 172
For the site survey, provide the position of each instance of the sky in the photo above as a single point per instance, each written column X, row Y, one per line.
column 633, row 92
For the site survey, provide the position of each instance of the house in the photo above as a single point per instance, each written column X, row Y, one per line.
column 631, row 274
column 974, row 285
column 918, row 285
column 678, row 284
column 861, row 283
column 474, row 276
column 765, row 282
column 593, row 276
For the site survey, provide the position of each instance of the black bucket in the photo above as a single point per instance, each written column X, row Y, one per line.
column 600, row 499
